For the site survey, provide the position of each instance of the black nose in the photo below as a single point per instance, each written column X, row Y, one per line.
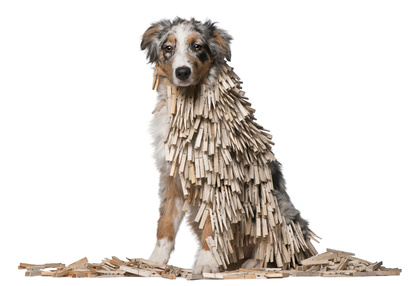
column 183, row 73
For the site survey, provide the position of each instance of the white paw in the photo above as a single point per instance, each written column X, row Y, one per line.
column 205, row 263
column 162, row 251
column 251, row 263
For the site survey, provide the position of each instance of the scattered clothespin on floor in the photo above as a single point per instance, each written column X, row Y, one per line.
column 332, row 263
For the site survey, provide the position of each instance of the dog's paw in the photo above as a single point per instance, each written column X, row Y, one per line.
column 162, row 251
column 251, row 263
column 205, row 263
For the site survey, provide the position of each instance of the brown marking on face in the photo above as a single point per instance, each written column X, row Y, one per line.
column 160, row 71
column 165, row 68
column 200, row 69
column 168, row 211
column 165, row 64
column 192, row 38
column 171, row 40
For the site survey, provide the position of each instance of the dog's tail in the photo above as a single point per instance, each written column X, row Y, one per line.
column 287, row 209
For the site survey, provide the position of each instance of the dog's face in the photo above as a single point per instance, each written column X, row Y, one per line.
column 186, row 51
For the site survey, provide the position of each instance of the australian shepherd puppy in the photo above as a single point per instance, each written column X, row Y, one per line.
column 190, row 53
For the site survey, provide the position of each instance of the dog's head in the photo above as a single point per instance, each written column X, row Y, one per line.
column 186, row 51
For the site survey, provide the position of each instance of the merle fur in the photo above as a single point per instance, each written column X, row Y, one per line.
column 285, row 204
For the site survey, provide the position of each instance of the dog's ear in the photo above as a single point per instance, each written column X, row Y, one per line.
column 150, row 41
column 220, row 44
column 222, row 38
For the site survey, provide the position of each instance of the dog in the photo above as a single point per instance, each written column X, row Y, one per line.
column 191, row 53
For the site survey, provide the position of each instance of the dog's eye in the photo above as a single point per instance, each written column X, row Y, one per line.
column 168, row 49
column 197, row 47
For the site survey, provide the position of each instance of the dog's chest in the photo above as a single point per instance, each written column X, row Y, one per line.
column 158, row 128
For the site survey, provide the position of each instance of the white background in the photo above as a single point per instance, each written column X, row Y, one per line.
column 336, row 83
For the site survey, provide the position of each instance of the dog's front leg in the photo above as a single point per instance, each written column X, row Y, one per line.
column 205, row 262
column 171, row 215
